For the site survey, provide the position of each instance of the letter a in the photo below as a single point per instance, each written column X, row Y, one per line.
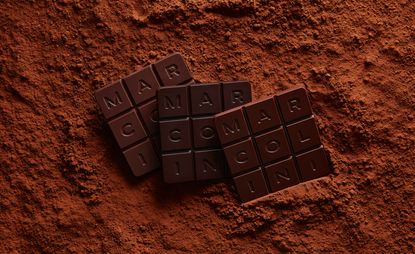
column 237, row 96
column 143, row 86
column 205, row 100
column 264, row 117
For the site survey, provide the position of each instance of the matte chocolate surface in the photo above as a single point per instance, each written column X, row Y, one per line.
column 272, row 144
column 189, row 143
column 130, row 107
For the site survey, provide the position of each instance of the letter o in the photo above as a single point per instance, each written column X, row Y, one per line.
column 207, row 132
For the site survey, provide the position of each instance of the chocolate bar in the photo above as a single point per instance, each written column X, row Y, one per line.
column 189, row 144
column 272, row 144
column 130, row 107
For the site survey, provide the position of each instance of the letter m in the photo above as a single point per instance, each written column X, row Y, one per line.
column 231, row 129
column 113, row 101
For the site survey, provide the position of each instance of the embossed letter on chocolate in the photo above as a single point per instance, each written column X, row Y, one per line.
column 189, row 144
column 130, row 107
column 271, row 144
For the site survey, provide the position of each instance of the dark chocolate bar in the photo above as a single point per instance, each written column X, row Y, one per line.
column 189, row 144
column 130, row 107
column 272, row 144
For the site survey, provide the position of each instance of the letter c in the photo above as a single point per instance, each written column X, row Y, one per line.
column 154, row 116
column 241, row 157
column 174, row 135
column 127, row 129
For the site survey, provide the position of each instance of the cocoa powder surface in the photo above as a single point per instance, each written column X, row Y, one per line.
column 64, row 187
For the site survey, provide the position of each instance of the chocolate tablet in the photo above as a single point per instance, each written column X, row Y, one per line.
column 130, row 107
column 271, row 144
column 189, row 143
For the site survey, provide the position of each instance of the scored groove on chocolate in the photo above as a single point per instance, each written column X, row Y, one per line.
column 189, row 144
column 271, row 144
column 129, row 106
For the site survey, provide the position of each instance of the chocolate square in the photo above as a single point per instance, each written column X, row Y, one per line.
column 313, row 164
column 210, row 164
column 175, row 135
column 112, row 99
column 178, row 167
column 263, row 115
column 142, row 85
column 231, row 126
column 206, row 99
column 236, row 93
column 173, row 102
column 303, row 134
column 294, row 104
column 142, row 158
column 204, row 132
column 282, row 174
column 127, row 129
column 273, row 145
column 241, row 156
column 172, row 70
column 251, row 185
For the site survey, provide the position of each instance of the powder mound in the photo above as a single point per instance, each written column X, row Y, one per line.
column 81, row 173
column 64, row 188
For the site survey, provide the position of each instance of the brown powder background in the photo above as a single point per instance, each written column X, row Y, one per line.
column 64, row 187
